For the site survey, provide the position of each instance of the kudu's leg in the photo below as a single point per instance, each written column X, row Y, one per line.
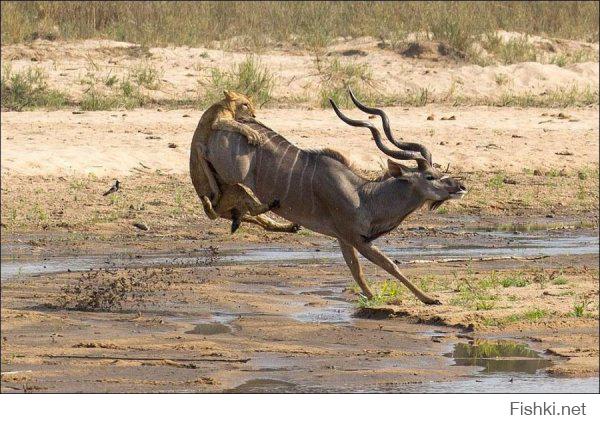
column 235, row 220
column 270, row 224
column 351, row 259
column 378, row 258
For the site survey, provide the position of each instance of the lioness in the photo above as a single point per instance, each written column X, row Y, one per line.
column 235, row 200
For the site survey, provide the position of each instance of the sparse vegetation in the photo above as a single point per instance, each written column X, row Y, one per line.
column 497, row 181
column 474, row 293
column 388, row 291
column 558, row 98
column 249, row 77
column 125, row 96
column 535, row 314
column 513, row 281
column 501, row 79
column 580, row 307
column 578, row 56
column 109, row 92
column 559, row 60
column 515, row 50
column 28, row 89
column 529, row 316
column 146, row 75
column 337, row 77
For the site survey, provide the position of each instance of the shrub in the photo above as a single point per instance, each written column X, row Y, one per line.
column 249, row 77
column 27, row 89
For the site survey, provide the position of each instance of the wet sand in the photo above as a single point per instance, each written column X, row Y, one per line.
column 220, row 323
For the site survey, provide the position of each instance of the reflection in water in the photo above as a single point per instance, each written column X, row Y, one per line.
column 337, row 314
column 264, row 385
column 209, row 329
column 499, row 356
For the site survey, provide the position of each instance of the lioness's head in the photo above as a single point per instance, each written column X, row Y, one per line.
column 240, row 105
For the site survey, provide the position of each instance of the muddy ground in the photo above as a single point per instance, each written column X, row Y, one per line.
column 92, row 303
column 155, row 315
column 139, row 292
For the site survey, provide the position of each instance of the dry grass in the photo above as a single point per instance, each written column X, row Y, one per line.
column 311, row 24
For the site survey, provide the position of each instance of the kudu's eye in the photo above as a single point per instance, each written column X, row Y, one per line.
column 430, row 178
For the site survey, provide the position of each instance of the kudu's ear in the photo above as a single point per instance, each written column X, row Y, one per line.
column 397, row 170
column 228, row 94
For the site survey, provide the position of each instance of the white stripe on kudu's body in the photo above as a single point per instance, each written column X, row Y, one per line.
column 332, row 198
column 290, row 174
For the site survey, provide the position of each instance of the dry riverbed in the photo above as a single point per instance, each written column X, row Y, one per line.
column 92, row 300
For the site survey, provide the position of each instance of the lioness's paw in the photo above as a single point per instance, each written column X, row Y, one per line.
column 255, row 137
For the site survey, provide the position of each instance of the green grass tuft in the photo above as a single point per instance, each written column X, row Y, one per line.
column 387, row 292
column 28, row 89
column 146, row 75
column 513, row 281
column 248, row 77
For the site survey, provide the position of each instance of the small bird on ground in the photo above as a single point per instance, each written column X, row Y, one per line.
column 114, row 188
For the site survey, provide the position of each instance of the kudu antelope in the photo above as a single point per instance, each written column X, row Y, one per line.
column 319, row 190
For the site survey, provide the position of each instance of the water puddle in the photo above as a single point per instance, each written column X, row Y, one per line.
column 501, row 245
column 520, row 383
column 499, row 356
column 330, row 314
column 264, row 385
column 210, row 329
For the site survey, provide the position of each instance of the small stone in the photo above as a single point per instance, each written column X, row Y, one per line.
column 172, row 145
column 141, row 226
column 431, row 117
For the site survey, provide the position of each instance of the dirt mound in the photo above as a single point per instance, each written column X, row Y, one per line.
column 412, row 68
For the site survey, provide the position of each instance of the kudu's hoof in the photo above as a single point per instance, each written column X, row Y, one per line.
column 235, row 224
column 432, row 302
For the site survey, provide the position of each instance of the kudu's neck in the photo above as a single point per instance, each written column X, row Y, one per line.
column 389, row 202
